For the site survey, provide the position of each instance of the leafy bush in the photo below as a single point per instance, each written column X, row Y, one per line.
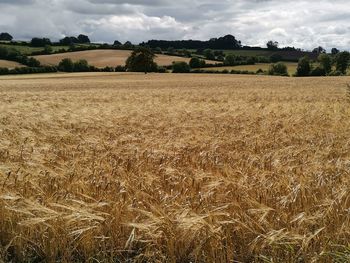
column 335, row 73
column 81, row 66
column 66, row 65
column 120, row 69
column 181, row 67
column 278, row 69
column 318, row 71
column 304, row 67
column 197, row 63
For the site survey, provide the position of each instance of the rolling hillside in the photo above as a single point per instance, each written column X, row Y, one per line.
column 103, row 58
column 9, row 64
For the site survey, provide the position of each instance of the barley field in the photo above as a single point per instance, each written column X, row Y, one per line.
column 103, row 58
column 101, row 167
column 9, row 64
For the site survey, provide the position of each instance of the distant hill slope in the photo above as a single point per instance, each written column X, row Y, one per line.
column 103, row 58
column 9, row 64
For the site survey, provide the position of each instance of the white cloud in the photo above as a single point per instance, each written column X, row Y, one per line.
column 299, row 23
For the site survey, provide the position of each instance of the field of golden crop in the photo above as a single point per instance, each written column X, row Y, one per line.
column 103, row 58
column 9, row 64
column 174, row 168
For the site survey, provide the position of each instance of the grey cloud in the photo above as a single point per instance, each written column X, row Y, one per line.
column 299, row 23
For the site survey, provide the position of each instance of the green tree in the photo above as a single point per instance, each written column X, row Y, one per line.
column 181, row 67
column 48, row 49
column 279, row 69
column 230, row 60
column 197, row 63
column 81, row 66
column 171, row 50
column 66, row 65
column 40, row 42
column 325, row 62
column 83, row 39
column 304, row 67
column 209, row 54
column 5, row 37
column 335, row 51
column 342, row 61
column 141, row 60
column 272, row 45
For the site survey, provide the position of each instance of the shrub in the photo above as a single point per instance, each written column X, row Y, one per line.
column 162, row 69
column 4, row 71
column 278, row 69
column 326, row 62
column 81, row 66
column 66, row 65
column 318, row 71
column 335, row 73
column 230, row 60
column 197, row 63
column 120, row 69
column 342, row 60
column 304, row 67
column 181, row 67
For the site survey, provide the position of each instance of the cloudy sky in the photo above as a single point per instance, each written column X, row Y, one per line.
column 298, row 23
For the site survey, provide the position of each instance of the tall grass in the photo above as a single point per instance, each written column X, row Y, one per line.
column 163, row 168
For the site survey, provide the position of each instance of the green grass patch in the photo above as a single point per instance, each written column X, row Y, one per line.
column 264, row 66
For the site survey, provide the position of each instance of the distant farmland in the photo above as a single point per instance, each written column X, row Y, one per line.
column 286, row 55
column 103, row 58
column 9, row 64
column 292, row 66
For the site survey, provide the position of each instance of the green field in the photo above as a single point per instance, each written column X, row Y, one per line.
column 264, row 66
column 27, row 50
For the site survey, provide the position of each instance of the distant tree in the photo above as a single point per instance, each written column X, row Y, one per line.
column 196, row 63
column 83, row 39
column 117, row 43
column 304, row 67
column 5, row 37
column 68, row 41
column 335, row 51
column 3, row 52
column 319, row 50
column 220, row 58
column 128, row 44
column 32, row 62
column 181, row 67
column 272, row 45
column 209, row 54
column 81, row 66
column 279, row 69
column 275, row 58
column 48, row 49
column 342, row 60
column 171, row 50
column 66, row 65
column 219, row 53
column 40, row 42
column 141, row 60
column 186, row 53
column 230, row 60
column 158, row 50
column 325, row 62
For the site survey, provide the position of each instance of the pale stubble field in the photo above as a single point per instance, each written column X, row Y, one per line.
column 103, row 167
